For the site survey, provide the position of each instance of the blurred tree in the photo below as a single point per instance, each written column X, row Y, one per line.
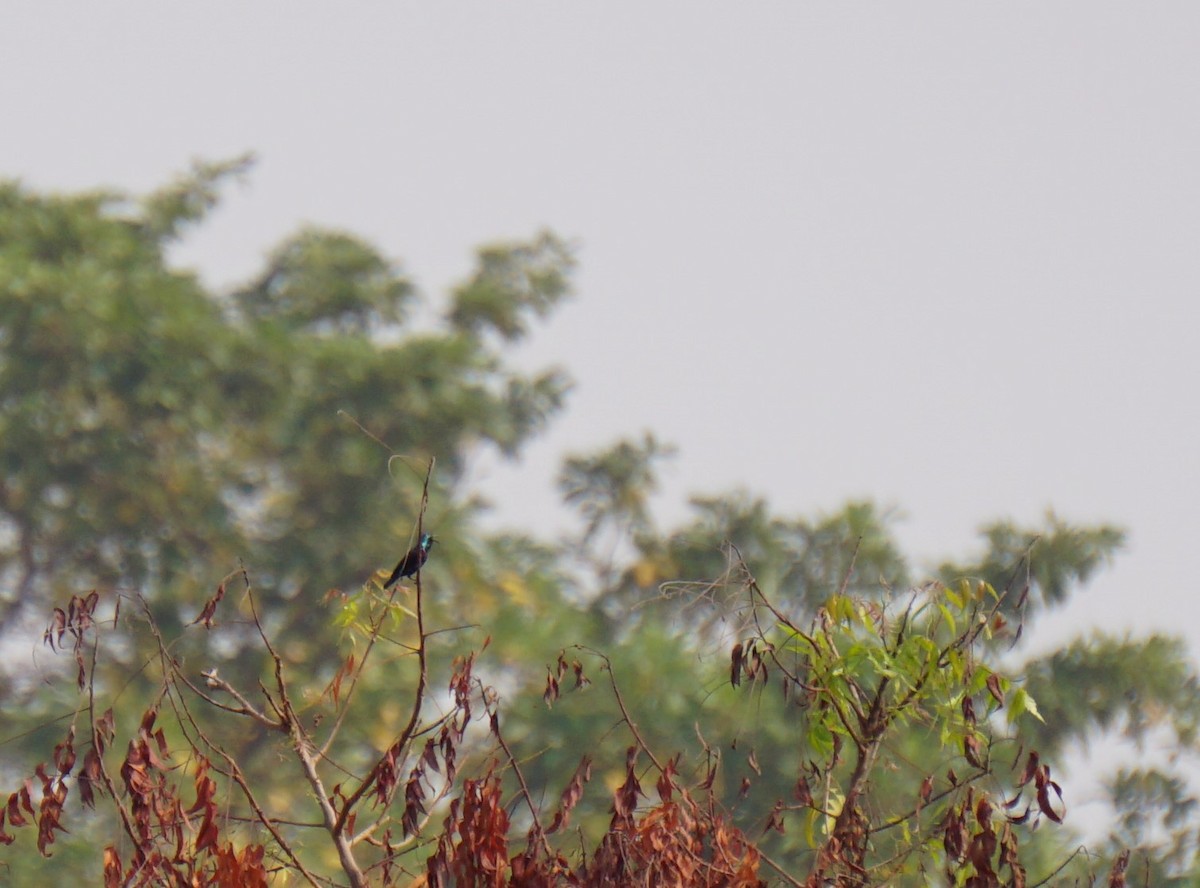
column 1156, row 816
column 1067, row 556
column 110, row 372
column 154, row 435
column 151, row 430
column 613, row 487
column 680, row 593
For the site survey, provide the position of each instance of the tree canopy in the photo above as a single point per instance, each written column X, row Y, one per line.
column 203, row 493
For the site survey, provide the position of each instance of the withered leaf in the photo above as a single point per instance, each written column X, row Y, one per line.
column 571, row 795
column 993, row 686
column 581, row 680
column 968, row 710
column 1116, row 878
column 802, row 792
column 926, row 789
column 1031, row 768
column 973, row 750
column 775, row 820
column 210, row 608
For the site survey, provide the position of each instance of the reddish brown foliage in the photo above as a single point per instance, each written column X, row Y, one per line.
column 685, row 839
column 75, row 621
column 677, row 844
column 479, row 854
column 571, row 795
column 210, row 608
column 1117, row 878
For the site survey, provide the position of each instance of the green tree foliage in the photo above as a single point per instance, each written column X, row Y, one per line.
column 154, row 435
column 684, row 585
column 1067, row 556
column 327, row 281
column 512, row 284
column 1103, row 684
column 152, row 430
column 1157, row 815
column 614, row 487
column 760, row 696
column 109, row 375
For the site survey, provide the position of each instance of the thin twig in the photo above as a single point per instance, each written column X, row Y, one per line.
column 625, row 716
column 406, row 734
column 303, row 746
column 1062, row 866
column 783, row 874
column 174, row 674
column 98, row 745
column 539, row 830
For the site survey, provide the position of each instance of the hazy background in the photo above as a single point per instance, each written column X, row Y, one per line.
column 941, row 255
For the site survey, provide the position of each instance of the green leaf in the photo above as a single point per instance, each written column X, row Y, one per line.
column 1022, row 702
column 949, row 618
column 810, row 827
column 820, row 740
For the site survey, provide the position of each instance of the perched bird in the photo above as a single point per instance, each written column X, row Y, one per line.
column 412, row 561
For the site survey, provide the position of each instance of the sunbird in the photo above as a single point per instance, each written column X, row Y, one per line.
column 412, row 561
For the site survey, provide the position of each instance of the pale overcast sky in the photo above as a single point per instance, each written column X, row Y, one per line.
column 943, row 255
